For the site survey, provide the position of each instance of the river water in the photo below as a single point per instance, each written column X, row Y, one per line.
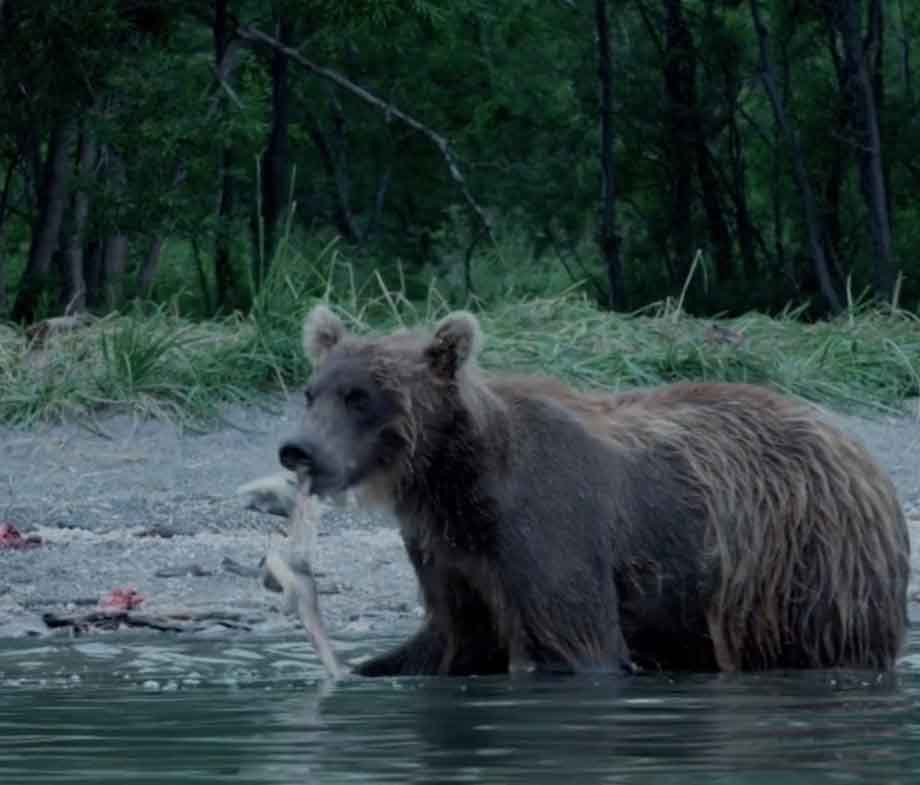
column 119, row 709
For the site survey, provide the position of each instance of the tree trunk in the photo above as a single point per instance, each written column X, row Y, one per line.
column 149, row 268
column 4, row 204
column 800, row 172
column 678, row 78
column 906, row 67
column 46, row 228
column 608, row 239
column 383, row 186
column 342, row 215
column 865, row 126
column 92, row 273
column 719, row 234
column 73, row 296
column 689, row 148
column 341, row 167
column 875, row 62
column 114, row 252
column 202, row 277
column 114, row 261
column 739, row 197
column 874, row 47
column 28, row 142
column 834, row 186
column 275, row 159
column 223, row 257
column 7, row 187
column 223, row 262
column 777, row 206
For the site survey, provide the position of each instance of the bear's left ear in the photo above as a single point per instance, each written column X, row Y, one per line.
column 456, row 340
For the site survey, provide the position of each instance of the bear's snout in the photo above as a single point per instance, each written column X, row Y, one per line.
column 296, row 455
column 304, row 455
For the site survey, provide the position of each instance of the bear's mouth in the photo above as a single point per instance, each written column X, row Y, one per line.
column 325, row 482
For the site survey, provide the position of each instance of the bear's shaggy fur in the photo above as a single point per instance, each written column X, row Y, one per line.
column 688, row 527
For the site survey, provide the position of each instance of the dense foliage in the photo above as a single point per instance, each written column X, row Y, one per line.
column 737, row 154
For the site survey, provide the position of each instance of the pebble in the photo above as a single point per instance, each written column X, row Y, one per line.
column 235, row 568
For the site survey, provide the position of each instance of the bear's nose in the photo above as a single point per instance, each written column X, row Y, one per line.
column 295, row 455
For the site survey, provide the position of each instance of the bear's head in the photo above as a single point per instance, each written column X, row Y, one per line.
column 372, row 400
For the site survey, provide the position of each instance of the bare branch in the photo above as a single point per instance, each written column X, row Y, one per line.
column 443, row 146
column 223, row 83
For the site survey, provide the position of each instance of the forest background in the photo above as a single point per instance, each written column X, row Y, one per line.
column 216, row 160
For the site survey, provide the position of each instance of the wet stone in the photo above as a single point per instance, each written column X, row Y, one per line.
column 183, row 571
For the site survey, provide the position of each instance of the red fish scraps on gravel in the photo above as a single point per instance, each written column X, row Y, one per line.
column 11, row 539
column 122, row 600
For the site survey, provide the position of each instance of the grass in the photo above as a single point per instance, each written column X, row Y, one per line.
column 152, row 361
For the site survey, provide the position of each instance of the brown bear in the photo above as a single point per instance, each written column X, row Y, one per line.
column 688, row 527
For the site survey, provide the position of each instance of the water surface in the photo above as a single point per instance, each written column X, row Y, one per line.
column 115, row 708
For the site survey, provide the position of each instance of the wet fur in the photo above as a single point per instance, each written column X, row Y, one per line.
column 693, row 526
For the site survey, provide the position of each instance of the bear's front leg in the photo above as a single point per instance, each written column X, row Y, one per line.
column 421, row 655
column 556, row 623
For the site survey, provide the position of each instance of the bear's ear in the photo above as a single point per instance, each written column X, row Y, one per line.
column 456, row 340
column 322, row 330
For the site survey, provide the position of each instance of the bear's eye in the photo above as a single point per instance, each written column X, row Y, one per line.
column 356, row 398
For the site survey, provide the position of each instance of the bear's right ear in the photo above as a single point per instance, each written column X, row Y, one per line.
column 322, row 330
column 456, row 341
